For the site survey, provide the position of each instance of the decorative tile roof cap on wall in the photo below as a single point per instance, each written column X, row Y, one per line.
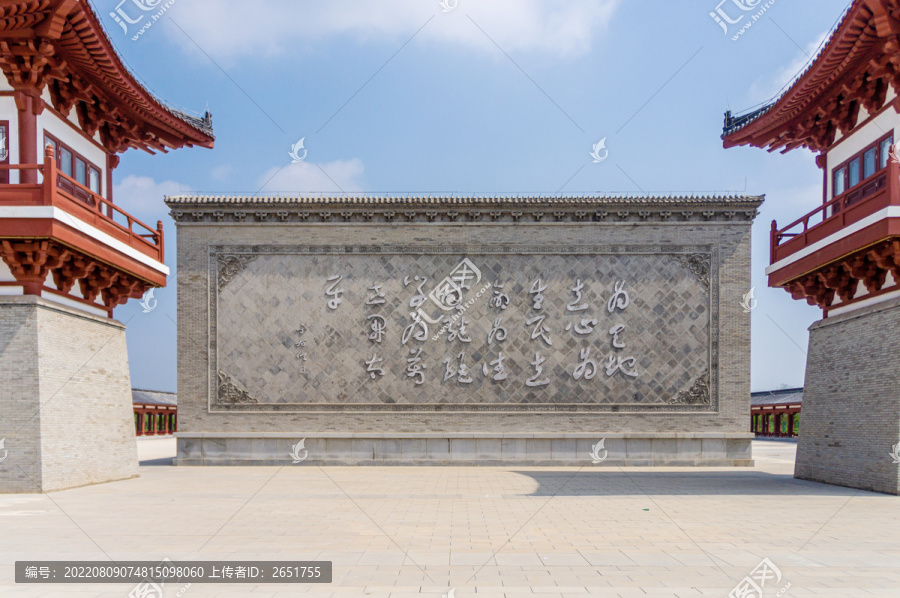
column 373, row 200
column 438, row 209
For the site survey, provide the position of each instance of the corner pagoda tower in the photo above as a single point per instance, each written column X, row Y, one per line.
column 68, row 254
column 843, row 256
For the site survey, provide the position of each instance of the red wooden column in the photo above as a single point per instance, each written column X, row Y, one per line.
column 29, row 107
column 112, row 161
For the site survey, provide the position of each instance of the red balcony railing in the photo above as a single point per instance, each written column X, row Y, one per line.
column 62, row 191
column 864, row 199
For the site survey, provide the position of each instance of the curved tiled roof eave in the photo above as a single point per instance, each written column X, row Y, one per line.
column 816, row 75
column 82, row 43
column 119, row 67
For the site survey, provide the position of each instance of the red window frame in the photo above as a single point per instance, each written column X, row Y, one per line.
column 74, row 159
column 4, row 174
column 858, row 160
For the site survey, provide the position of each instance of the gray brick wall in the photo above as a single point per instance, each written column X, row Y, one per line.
column 732, row 238
column 19, row 398
column 65, row 398
column 851, row 400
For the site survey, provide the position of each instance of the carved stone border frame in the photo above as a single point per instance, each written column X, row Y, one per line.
column 693, row 257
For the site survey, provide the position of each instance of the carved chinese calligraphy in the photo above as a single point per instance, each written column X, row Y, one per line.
column 520, row 331
column 415, row 368
column 536, row 379
column 334, row 292
column 540, row 331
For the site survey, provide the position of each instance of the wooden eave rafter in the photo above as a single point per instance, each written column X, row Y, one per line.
column 854, row 70
column 60, row 44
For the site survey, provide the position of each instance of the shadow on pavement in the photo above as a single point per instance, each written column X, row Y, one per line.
column 163, row 461
column 612, row 482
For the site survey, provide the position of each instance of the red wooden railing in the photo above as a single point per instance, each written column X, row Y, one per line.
column 62, row 191
column 864, row 199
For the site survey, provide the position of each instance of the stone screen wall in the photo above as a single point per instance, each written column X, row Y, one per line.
column 254, row 272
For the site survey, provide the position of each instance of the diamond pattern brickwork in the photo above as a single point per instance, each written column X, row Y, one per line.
column 275, row 336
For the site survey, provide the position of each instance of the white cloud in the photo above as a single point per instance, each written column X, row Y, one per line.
column 306, row 177
column 229, row 29
column 221, row 172
column 766, row 89
column 142, row 197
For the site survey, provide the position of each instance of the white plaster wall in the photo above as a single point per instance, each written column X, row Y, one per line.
column 5, row 274
column 73, row 116
column 9, row 112
column 880, row 126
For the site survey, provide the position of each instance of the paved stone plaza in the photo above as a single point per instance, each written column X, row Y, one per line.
column 486, row 531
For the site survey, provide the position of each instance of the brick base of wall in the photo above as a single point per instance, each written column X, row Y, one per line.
column 65, row 398
column 851, row 401
column 701, row 449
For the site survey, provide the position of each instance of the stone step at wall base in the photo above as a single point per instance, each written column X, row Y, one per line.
column 431, row 449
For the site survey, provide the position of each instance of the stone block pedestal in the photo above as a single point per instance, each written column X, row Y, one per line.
column 851, row 401
column 65, row 398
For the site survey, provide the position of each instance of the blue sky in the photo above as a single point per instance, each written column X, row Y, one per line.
column 491, row 97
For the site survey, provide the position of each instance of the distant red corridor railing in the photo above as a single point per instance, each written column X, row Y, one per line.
column 155, row 421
